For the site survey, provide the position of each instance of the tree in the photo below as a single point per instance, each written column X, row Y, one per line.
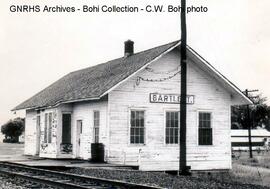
column 260, row 115
column 13, row 129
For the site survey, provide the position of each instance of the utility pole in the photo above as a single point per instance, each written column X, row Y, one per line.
column 249, row 123
column 183, row 168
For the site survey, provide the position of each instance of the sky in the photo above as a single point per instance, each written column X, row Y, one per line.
column 38, row 48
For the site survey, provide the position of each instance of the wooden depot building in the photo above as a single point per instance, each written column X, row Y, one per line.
column 131, row 106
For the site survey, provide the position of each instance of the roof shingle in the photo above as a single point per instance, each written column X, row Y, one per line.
column 92, row 82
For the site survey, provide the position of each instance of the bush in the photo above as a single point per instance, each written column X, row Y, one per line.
column 9, row 140
column 12, row 130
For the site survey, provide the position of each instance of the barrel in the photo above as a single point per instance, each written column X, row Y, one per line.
column 97, row 152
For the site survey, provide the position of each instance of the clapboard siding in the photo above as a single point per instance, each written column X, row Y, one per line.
column 49, row 150
column 85, row 112
column 155, row 154
column 30, row 133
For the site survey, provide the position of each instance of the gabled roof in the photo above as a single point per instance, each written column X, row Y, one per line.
column 94, row 82
column 238, row 97
column 91, row 83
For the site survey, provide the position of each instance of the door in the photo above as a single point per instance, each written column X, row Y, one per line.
column 38, row 135
column 78, row 138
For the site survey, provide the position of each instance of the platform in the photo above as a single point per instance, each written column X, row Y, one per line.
column 14, row 153
column 68, row 163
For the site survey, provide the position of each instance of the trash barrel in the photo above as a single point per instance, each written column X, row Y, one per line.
column 97, row 152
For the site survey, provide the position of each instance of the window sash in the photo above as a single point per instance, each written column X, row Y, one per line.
column 205, row 130
column 137, row 129
column 48, row 128
column 96, row 126
column 205, row 136
column 172, row 127
column 80, row 125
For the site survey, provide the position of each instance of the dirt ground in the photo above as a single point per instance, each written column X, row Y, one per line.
column 10, row 151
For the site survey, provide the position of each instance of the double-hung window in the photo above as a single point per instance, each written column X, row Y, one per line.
column 96, row 126
column 137, row 130
column 48, row 128
column 172, row 126
column 205, row 129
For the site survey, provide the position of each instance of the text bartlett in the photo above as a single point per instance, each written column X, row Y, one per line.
column 169, row 98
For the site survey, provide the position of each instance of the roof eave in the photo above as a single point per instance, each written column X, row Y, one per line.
column 56, row 104
column 229, row 83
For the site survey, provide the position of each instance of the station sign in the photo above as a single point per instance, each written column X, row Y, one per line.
column 169, row 98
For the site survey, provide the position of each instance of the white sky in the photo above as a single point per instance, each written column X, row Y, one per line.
column 36, row 49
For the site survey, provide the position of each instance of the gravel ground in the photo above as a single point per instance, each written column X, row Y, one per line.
column 163, row 179
column 14, row 183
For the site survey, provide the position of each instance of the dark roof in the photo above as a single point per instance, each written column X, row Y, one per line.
column 94, row 81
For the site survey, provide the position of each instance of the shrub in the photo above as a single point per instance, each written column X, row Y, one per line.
column 12, row 130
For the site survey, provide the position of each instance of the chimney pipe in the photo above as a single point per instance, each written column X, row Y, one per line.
column 129, row 48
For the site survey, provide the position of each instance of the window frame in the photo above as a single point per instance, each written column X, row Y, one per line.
column 164, row 117
column 47, row 138
column 81, row 121
column 129, row 127
column 96, row 127
column 211, row 126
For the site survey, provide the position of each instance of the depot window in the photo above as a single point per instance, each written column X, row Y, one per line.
column 48, row 128
column 205, row 129
column 172, row 125
column 137, row 127
column 96, row 126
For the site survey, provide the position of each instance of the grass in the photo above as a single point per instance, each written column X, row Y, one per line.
column 260, row 159
column 246, row 170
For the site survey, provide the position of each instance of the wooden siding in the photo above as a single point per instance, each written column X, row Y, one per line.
column 30, row 133
column 49, row 150
column 155, row 154
column 85, row 112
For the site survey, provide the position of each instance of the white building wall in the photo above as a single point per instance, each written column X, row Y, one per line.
column 48, row 150
column 30, row 133
column 85, row 111
column 155, row 154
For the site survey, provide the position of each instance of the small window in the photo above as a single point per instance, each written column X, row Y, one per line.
column 96, row 126
column 80, row 126
column 137, row 127
column 172, row 125
column 205, row 129
column 48, row 128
